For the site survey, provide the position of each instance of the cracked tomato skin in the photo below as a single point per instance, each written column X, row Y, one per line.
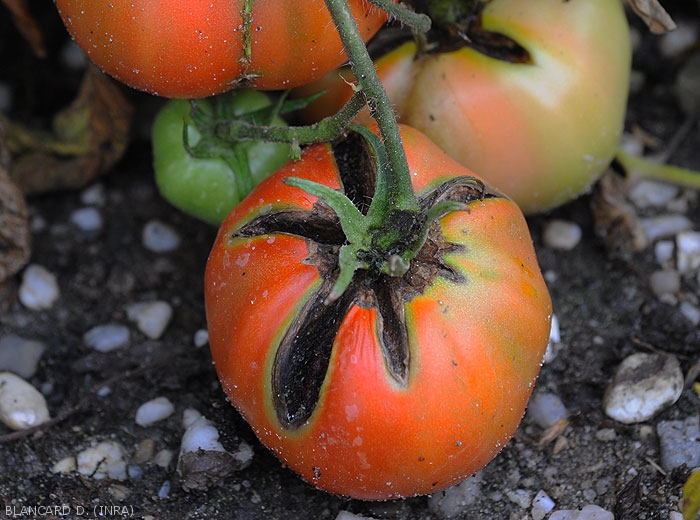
column 197, row 48
column 475, row 347
column 543, row 131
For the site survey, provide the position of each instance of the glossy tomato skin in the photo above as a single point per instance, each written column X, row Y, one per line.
column 197, row 48
column 475, row 347
column 206, row 188
column 542, row 132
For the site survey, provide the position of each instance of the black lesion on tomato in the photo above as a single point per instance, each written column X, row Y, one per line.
column 303, row 356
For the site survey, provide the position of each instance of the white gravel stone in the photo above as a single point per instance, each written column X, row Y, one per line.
column 562, row 234
column 20, row 355
column 244, row 454
column 201, row 434
column 589, row 512
column 644, row 384
column 546, row 409
column 346, row 515
column 93, row 195
column 87, row 219
column 104, row 460
column 452, row 501
column 541, row 505
column 201, row 338
column 691, row 312
column 647, row 193
column 21, row 405
column 151, row 318
column 665, row 281
column 39, row 289
column 688, row 251
column 520, row 497
column 159, row 237
column 663, row 226
column 108, row 337
column 65, row 465
column 663, row 252
column 679, row 442
column 153, row 411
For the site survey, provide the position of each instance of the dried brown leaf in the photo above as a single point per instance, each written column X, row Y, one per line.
column 654, row 15
column 15, row 238
column 26, row 25
column 88, row 138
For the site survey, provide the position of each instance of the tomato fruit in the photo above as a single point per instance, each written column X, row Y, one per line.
column 403, row 385
column 209, row 187
column 540, row 124
column 197, row 48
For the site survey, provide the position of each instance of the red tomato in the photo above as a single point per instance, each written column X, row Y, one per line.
column 543, row 130
column 196, row 48
column 404, row 385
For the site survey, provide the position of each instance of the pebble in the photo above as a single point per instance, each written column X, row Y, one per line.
column 159, row 237
column 105, row 338
column 679, row 442
column 20, row 355
column 554, row 344
column 153, row 411
column 665, row 282
column 21, row 405
column 676, row 42
column 201, row 435
column 163, row 458
column 663, row 226
column 93, row 195
column 104, row 460
column 151, row 318
column 201, row 338
column 87, row 219
column 452, row 501
column 647, row 193
column 346, row 515
column 520, row 497
column 164, row 490
column 65, row 465
column 688, row 251
column 589, row 512
column 663, row 252
column 541, row 505
column 691, row 312
column 546, row 409
column 644, row 384
column 39, row 289
column 562, row 234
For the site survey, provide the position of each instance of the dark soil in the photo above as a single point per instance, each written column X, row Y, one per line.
column 602, row 300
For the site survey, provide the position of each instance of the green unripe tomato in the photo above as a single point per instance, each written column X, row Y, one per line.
column 209, row 187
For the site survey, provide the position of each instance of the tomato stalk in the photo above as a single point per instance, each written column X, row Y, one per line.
column 644, row 168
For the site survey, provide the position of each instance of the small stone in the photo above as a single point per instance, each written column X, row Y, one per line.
column 163, row 458
column 589, row 512
column 562, row 234
column 20, row 355
column 643, row 385
column 647, row 193
column 541, row 505
column 691, row 312
column 152, row 318
column 153, row 411
column 144, row 451
column 21, row 405
column 105, row 338
column 663, row 252
column 159, row 237
column 679, row 442
column 606, row 434
column 665, row 281
column 546, row 409
column 520, row 497
column 93, row 195
column 452, row 501
column 87, row 219
column 39, row 289
column 345, row 515
column 664, row 226
column 688, row 251
column 65, row 465
column 104, row 460
column 201, row 338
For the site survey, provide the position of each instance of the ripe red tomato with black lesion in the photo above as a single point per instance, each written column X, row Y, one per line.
column 404, row 385
column 197, row 48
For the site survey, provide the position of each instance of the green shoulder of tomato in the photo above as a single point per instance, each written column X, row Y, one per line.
column 208, row 187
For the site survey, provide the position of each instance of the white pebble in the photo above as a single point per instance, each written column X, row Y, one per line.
column 153, row 411
column 201, row 338
column 665, row 226
column 663, row 252
column 20, row 355
column 21, row 405
column 93, row 195
column 683, row 37
column 452, row 501
column 189, row 416
column 647, row 193
column 664, row 282
column 562, row 234
column 159, row 237
column 163, row 458
column 546, row 409
column 202, row 434
column 554, row 343
column 243, row 454
column 39, row 289
column 105, row 338
column 65, row 465
column 541, row 505
column 589, row 512
column 104, row 460
column 520, row 497
column 87, row 219
column 72, row 56
column 679, row 442
column 644, row 384
column 151, row 318
column 691, row 312
column 345, row 515
column 164, row 490
column 688, row 251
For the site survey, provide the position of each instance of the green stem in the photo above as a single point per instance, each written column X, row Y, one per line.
column 646, row 168
column 399, row 190
column 418, row 22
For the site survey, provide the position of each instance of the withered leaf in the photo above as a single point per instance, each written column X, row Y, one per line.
column 87, row 139
column 654, row 15
column 15, row 238
column 26, row 25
